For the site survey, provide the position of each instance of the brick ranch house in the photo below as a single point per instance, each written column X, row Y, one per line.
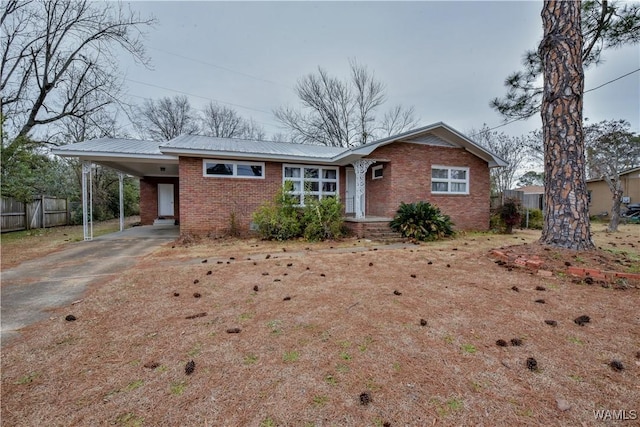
column 206, row 183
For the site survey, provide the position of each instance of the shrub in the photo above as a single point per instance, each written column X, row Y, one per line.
column 536, row 219
column 421, row 221
column 496, row 224
column 322, row 219
column 280, row 218
column 510, row 213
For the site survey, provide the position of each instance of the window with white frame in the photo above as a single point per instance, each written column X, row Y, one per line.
column 311, row 182
column 376, row 172
column 232, row 169
column 449, row 180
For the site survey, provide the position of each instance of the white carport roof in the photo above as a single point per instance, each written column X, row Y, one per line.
column 135, row 157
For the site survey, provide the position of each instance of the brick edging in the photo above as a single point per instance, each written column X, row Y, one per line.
column 536, row 263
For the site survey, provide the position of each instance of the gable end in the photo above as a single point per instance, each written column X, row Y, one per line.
column 429, row 139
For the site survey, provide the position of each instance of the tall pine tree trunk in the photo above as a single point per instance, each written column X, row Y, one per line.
column 566, row 222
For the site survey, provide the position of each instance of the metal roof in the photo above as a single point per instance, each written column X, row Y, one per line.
column 208, row 146
column 198, row 145
column 111, row 145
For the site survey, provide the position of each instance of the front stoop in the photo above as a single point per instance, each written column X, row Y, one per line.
column 164, row 221
column 374, row 230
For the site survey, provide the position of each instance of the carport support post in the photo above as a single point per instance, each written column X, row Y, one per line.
column 121, row 192
column 87, row 201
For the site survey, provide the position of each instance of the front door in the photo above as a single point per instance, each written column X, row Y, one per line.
column 165, row 200
column 350, row 192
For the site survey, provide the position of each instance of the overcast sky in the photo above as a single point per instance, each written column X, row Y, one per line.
column 446, row 59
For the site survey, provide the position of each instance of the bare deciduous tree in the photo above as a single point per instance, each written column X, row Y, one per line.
column 166, row 118
column 225, row 122
column 340, row 113
column 611, row 149
column 58, row 58
column 509, row 149
column 397, row 120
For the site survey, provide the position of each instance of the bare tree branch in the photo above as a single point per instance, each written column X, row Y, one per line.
column 340, row 113
column 55, row 50
column 166, row 118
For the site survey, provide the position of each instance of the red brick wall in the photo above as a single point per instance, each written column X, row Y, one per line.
column 149, row 198
column 407, row 178
column 207, row 203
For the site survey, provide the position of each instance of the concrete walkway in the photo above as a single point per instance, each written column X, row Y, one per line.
column 60, row 278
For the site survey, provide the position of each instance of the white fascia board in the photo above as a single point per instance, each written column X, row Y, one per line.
column 247, row 156
column 120, row 156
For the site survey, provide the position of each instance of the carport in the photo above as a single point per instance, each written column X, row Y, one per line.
column 136, row 158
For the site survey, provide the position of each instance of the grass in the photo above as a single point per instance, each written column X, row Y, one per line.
column 178, row 387
column 309, row 359
column 197, row 348
column 250, row 359
column 268, row 422
column 133, row 385
column 275, row 326
column 575, row 340
column 27, row 379
column 345, row 356
column 291, row 356
column 331, row 380
column 320, row 400
column 130, row 419
column 468, row 348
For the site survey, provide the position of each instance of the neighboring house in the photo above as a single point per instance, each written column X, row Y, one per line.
column 206, row 183
column 600, row 196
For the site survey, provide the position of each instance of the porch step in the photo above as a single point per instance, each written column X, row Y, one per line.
column 163, row 221
column 378, row 231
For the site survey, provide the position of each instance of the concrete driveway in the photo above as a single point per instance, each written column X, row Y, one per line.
column 58, row 279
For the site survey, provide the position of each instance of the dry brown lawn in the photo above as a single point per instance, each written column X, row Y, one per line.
column 333, row 337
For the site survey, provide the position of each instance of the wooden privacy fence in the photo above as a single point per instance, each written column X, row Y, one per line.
column 43, row 212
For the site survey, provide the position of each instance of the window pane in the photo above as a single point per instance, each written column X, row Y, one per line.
column 311, row 186
column 440, row 173
column 459, row 187
column 292, row 172
column 377, row 173
column 296, row 185
column 296, row 198
column 439, row 186
column 329, row 173
column 249, row 170
column 309, row 197
column 329, row 187
column 311, row 173
column 219, row 169
column 458, row 174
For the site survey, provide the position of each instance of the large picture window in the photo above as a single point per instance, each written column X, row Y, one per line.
column 232, row 169
column 449, row 180
column 311, row 182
